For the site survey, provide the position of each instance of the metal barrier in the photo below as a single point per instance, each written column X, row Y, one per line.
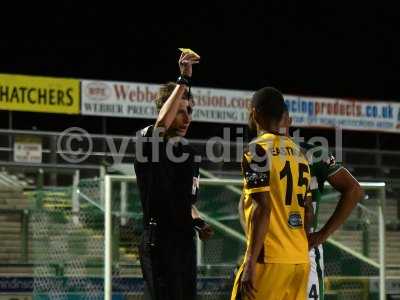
column 367, row 164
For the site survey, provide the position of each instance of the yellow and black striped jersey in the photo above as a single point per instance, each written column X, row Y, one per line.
column 274, row 164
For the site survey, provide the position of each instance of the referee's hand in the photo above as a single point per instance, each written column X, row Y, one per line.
column 186, row 61
column 206, row 232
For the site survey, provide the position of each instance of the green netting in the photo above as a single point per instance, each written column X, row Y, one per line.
column 66, row 251
column 351, row 257
column 68, row 244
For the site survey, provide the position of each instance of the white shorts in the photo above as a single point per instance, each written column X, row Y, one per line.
column 315, row 289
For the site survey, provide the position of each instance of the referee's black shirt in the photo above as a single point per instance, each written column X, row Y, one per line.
column 167, row 188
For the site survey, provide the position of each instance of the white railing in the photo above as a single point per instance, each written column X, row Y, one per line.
column 104, row 147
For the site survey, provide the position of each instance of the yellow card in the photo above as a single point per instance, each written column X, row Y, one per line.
column 187, row 50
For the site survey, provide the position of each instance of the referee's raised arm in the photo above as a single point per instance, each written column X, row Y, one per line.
column 170, row 108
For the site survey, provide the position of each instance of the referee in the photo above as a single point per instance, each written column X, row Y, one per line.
column 168, row 180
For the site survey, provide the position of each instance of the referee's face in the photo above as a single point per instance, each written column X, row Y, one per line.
column 183, row 118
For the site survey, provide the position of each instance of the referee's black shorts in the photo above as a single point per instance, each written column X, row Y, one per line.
column 169, row 268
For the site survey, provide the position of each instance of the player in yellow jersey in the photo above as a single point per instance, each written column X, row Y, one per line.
column 276, row 184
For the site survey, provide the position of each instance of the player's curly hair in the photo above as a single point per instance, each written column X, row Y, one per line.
column 166, row 91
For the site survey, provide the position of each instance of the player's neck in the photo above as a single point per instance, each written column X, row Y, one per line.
column 269, row 129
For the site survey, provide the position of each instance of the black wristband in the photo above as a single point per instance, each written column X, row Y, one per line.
column 183, row 80
column 198, row 223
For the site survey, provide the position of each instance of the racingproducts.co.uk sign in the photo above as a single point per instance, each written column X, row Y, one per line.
column 136, row 100
column 354, row 115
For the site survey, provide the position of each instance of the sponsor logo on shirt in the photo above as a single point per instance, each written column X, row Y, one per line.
column 295, row 221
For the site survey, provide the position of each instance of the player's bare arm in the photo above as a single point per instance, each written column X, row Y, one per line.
column 308, row 214
column 170, row 108
column 351, row 192
column 259, row 221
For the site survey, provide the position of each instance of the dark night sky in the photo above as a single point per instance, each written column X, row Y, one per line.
column 311, row 49
column 324, row 49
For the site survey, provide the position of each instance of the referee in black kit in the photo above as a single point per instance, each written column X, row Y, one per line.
column 168, row 180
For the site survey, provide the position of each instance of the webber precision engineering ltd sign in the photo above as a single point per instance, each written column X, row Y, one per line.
column 118, row 99
column 136, row 100
column 39, row 94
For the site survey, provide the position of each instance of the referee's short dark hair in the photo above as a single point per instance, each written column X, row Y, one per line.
column 269, row 103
